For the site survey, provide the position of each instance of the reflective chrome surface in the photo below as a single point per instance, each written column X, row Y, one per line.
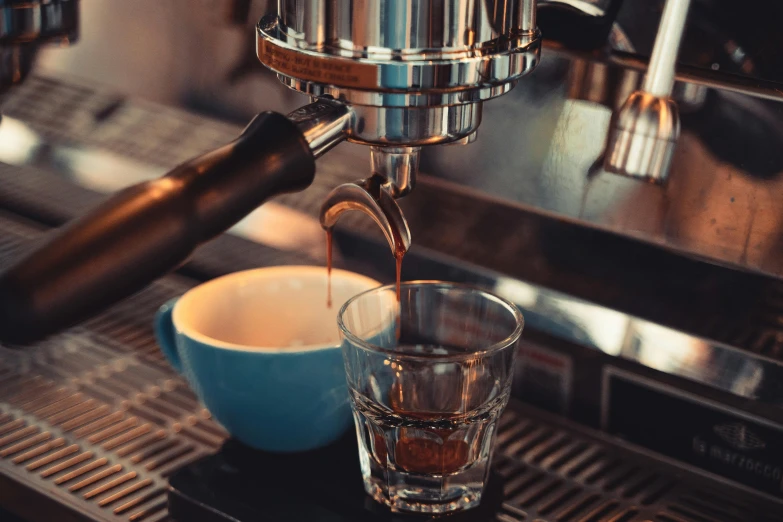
column 405, row 25
column 644, row 132
column 720, row 203
column 413, row 126
column 395, row 70
column 323, row 124
column 398, row 166
column 642, row 138
column 668, row 350
column 416, row 71
column 601, row 83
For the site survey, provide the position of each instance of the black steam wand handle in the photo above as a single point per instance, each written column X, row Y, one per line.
column 149, row 229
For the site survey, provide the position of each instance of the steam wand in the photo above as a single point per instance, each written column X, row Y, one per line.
column 394, row 173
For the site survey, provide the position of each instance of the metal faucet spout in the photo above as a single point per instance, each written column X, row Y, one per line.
column 373, row 197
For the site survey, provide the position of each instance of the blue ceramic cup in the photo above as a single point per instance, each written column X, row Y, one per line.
column 261, row 349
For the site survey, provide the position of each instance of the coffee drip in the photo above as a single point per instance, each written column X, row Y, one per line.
column 374, row 197
column 329, row 234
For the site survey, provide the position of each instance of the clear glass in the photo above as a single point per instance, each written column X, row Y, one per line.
column 429, row 376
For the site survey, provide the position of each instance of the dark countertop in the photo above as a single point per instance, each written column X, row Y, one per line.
column 5, row 516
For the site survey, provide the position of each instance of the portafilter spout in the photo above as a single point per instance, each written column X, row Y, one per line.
column 374, row 197
column 393, row 176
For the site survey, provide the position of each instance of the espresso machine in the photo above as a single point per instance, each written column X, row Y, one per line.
column 609, row 165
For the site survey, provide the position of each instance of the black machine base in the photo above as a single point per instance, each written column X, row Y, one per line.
column 242, row 484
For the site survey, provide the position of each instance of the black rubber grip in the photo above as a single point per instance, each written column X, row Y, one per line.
column 147, row 230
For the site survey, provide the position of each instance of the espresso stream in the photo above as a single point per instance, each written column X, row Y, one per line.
column 413, row 453
column 399, row 253
column 328, row 267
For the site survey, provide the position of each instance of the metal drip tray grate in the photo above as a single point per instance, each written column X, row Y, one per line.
column 553, row 474
column 93, row 417
column 544, row 471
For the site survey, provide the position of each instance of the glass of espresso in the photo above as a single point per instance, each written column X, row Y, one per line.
column 429, row 375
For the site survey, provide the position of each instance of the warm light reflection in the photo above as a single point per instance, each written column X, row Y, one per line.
column 271, row 224
column 18, row 143
column 103, row 171
column 605, row 328
column 663, row 348
column 523, row 294
column 282, row 227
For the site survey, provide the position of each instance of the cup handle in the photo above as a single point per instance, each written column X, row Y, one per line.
column 165, row 335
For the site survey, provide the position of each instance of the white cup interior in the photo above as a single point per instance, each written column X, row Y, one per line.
column 269, row 308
